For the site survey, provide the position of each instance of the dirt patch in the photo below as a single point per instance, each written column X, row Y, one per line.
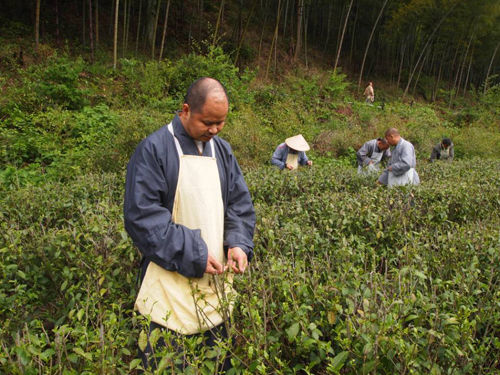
column 346, row 111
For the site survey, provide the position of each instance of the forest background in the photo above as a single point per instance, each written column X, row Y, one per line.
column 347, row 278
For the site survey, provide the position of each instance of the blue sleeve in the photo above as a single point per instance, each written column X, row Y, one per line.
column 149, row 222
column 278, row 158
column 303, row 158
column 239, row 220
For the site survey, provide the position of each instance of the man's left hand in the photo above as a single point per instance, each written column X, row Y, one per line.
column 237, row 259
column 309, row 162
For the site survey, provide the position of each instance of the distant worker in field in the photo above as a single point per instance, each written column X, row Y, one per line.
column 401, row 169
column 369, row 93
column 443, row 151
column 372, row 154
column 291, row 153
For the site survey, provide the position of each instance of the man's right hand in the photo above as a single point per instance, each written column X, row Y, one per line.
column 289, row 166
column 213, row 266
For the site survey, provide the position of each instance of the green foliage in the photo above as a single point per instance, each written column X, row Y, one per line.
column 347, row 278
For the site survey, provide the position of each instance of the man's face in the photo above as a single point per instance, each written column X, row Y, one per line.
column 382, row 146
column 445, row 146
column 392, row 139
column 204, row 125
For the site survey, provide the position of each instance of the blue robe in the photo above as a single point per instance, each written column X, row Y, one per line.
column 281, row 153
column 151, row 182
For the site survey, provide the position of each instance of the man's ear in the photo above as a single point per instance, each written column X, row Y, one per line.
column 185, row 112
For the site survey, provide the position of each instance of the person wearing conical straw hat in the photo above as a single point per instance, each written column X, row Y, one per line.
column 291, row 153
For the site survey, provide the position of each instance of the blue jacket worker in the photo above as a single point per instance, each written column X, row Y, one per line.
column 291, row 154
column 188, row 210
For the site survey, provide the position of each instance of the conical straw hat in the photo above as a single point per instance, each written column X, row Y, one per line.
column 297, row 142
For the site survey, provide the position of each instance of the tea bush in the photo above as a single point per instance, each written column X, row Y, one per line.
column 348, row 277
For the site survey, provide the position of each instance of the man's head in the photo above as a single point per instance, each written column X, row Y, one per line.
column 205, row 109
column 382, row 144
column 370, row 83
column 392, row 136
column 446, row 142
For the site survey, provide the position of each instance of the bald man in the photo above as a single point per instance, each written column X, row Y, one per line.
column 188, row 210
column 401, row 168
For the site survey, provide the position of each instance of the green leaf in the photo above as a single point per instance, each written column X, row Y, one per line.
column 143, row 341
column 293, row 331
column 135, row 363
column 83, row 354
column 338, row 361
column 368, row 367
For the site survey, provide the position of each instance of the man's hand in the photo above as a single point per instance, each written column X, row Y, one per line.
column 309, row 162
column 237, row 259
column 213, row 266
column 289, row 166
column 389, row 168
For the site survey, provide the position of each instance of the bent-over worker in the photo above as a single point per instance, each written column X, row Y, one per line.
column 291, row 153
column 372, row 154
column 443, row 151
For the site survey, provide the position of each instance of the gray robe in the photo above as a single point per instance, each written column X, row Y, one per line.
column 366, row 151
column 403, row 158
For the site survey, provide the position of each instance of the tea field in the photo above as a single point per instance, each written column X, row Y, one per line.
column 347, row 277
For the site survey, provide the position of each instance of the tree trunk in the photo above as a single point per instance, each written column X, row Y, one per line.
column 424, row 49
column 462, row 66
column 353, row 38
column 153, row 45
column 37, row 25
column 164, row 30
column 115, row 37
column 298, row 43
column 419, row 72
column 369, row 42
column 58, row 35
column 262, row 37
column 285, row 18
column 275, row 39
column 403, row 48
column 124, row 25
column 328, row 27
column 96, row 22
column 129, row 13
column 306, row 23
column 91, row 32
column 468, row 72
column 242, row 36
column 84, row 23
column 219, row 18
column 342, row 37
column 489, row 68
column 436, row 82
column 138, row 27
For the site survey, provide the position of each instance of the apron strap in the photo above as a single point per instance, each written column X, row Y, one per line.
column 178, row 145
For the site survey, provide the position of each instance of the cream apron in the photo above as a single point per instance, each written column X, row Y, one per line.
column 293, row 160
column 445, row 153
column 408, row 178
column 374, row 167
column 185, row 305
